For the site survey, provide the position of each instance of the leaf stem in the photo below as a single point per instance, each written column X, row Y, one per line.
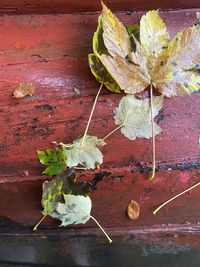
column 36, row 226
column 113, row 131
column 66, row 145
column 91, row 114
column 171, row 199
column 109, row 239
column 153, row 136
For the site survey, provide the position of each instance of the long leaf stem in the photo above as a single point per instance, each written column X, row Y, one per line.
column 171, row 199
column 153, row 136
column 109, row 239
column 113, row 131
column 36, row 226
column 91, row 114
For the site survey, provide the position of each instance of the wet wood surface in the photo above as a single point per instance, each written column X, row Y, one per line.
column 77, row 6
column 51, row 52
column 88, row 248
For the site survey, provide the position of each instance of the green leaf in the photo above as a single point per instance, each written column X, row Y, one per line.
column 52, row 193
column 101, row 74
column 65, row 183
column 96, row 66
column 133, row 30
column 98, row 43
column 134, row 116
column 87, row 155
column 75, row 210
column 54, row 159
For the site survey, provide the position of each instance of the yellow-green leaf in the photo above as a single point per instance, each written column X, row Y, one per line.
column 101, row 74
column 98, row 42
column 153, row 33
column 115, row 35
column 180, row 74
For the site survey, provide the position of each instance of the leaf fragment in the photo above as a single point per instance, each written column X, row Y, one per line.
column 24, row 89
column 133, row 210
column 54, row 159
column 134, row 116
column 87, row 155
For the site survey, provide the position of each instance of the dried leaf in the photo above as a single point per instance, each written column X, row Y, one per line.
column 54, row 159
column 87, row 155
column 24, row 89
column 127, row 75
column 134, row 115
column 172, row 67
column 133, row 210
column 75, row 210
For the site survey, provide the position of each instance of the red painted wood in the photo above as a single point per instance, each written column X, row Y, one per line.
column 51, row 51
column 74, row 6
column 32, row 126
column 20, row 202
column 47, row 47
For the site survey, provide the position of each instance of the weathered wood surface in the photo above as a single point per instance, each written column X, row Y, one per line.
column 51, row 51
column 77, row 6
column 86, row 248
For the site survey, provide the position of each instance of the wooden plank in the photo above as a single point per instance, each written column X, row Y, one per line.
column 47, row 47
column 28, row 127
column 87, row 248
column 20, row 201
column 45, row 50
column 74, row 6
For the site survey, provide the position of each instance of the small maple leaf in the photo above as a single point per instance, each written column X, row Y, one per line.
column 87, row 154
column 75, row 210
column 54, row 159
column 134, row 115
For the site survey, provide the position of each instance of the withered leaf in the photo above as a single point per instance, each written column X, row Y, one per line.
column 133, row 210
column 24, row 89
column 171, row 67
